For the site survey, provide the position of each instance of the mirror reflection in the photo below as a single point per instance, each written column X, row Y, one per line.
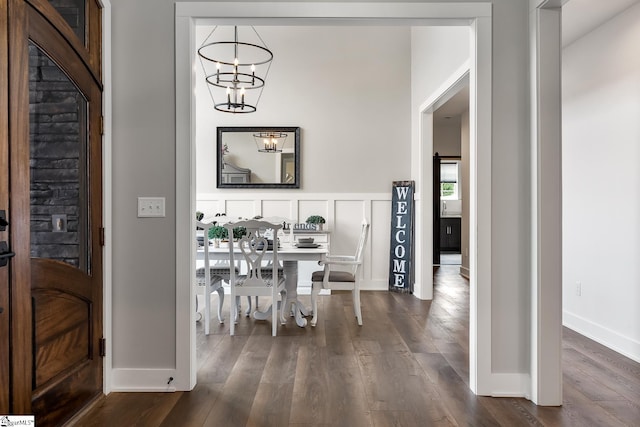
column 258, row 157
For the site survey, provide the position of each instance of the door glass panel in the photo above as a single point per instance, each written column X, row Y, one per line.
column 58, row 140
column 72, row 11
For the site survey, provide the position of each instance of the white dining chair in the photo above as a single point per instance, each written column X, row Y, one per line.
column 210, row 276
column 329, row 278
column 251, row 253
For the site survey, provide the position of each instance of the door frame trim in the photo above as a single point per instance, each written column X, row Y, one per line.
column 476, row 15
column 107, row 195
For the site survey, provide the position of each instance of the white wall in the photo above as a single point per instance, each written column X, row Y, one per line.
column 601, row 183
column 446, row 137
column 347, row 88
column 437, row 52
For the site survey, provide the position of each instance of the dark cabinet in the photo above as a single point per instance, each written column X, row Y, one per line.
column 450, row 234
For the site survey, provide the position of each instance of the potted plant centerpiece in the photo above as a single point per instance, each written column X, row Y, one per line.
column 217, row 233
column 317, row 220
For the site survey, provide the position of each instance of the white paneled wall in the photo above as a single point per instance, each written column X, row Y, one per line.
column 344, row 213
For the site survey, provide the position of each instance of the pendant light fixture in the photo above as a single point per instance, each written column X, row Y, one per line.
column 270, row 142
column 235, row 71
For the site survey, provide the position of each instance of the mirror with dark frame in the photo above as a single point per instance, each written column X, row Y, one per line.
column 258, row 157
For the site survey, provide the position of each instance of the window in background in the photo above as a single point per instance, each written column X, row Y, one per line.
column 449, row 181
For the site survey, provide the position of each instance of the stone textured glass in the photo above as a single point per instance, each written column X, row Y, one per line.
column 58, row 141
column 73, row 11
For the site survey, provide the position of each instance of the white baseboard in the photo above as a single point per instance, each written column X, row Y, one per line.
column 375, row 285
column 464, row 272
column 144, row 380
column 609, row 338
column 510, row 385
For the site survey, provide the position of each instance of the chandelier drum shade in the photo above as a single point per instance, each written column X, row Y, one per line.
column 235, row 70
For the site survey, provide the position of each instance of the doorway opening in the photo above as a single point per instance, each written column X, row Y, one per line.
column 480, row 22
column 451, row 180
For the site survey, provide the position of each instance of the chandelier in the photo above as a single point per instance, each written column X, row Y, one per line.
column 235, row 71
column 270, row 142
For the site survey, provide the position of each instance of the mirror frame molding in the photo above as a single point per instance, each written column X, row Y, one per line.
column 253, row 129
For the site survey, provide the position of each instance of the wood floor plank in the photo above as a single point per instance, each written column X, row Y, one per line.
column 281, row 363
column 221, row 360
column 391, row 380
column 510, row 411
column 589, row 381
column 271, row 405
column 406, row 418
column 603, row 355
column 131, row 409
column 234, row 405
column 581, row 411
column 412, row 333
column 192, row 409
column 311, row 387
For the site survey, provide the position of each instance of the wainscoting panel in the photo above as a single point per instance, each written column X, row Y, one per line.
column 239, row 209
column 347, row 218
column 381, row 216
column 306, row 208
column 276, row 208
column 344, row 212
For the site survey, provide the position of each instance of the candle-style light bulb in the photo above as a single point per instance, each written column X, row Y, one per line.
column 253, row 74
column 229, row 97
column 242, row 97
column 217, row 72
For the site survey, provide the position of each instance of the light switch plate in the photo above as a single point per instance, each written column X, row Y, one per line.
column 149, row 207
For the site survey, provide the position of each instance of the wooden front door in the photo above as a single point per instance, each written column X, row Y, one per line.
column 51, row 189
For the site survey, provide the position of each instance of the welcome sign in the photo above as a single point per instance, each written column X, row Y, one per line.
column 401, row 248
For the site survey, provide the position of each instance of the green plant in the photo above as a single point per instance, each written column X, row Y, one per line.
column 238, row 232
column 218, row 232
column 315, row 219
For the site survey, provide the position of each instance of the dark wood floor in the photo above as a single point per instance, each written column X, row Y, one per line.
column 407, row 366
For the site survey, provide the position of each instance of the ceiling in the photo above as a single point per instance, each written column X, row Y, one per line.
column 579, row 17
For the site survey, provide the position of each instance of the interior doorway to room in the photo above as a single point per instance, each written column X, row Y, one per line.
column 447, row 192
column 451, row 181
column 476, row 70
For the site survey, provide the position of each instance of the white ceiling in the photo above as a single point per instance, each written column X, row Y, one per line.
column 579, row 17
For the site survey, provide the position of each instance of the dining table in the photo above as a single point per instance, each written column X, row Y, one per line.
column 290, row 255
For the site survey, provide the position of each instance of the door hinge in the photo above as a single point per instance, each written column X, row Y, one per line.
column 103, row 347
column 101, row 236
column 101, row 125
